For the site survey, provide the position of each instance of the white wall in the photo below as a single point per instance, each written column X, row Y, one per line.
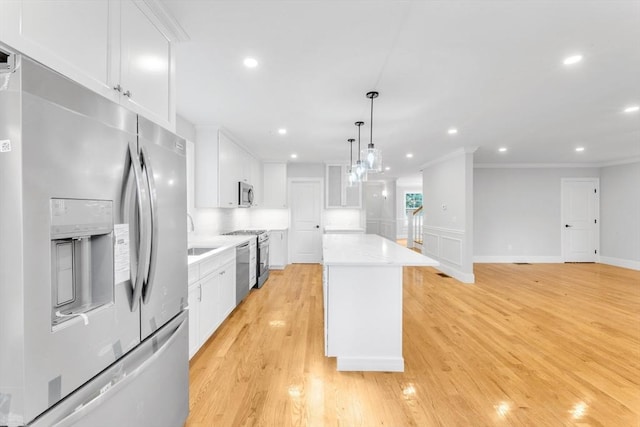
column 447, row 190
column 517, row 213
column 402, row 221
column 380, row 209
column 620, row 215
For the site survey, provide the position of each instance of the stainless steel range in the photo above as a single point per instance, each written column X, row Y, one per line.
column 262, row 258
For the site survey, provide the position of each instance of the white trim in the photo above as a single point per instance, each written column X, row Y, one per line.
column 596, row 183
column 451, row 155
column 290, row 181
column 634, row 159
column 159, row 14
column 380, row 364
column 443, row 229
column 627, row 161
column 510, row 259
column 619, row 262
column 453, row 239
column 456, row 274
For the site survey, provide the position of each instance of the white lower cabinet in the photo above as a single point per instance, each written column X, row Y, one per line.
column 278, row 251
column 195, row 296
column 212, row 296
column 227, row 290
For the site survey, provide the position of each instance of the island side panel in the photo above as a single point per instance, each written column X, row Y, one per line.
column 364, row 317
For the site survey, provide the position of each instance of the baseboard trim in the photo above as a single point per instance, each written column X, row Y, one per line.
column 509, row 259
column 619, row 262
column 379, row 364
column 457, row 274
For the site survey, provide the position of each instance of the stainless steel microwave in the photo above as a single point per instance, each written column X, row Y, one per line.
column 245, row 195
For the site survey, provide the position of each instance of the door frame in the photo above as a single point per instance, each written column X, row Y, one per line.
column 290, row 182
column 596, row 183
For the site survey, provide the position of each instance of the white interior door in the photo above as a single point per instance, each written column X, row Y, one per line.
column 580, row 225
column 306, row 214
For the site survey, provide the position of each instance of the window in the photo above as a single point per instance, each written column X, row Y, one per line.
column 412, row 201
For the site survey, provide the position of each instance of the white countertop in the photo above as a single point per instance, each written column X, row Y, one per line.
column 343, row 228
column 219, row 242
column 369, row 249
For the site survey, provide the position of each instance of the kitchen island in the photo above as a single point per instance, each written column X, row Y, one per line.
column 362, row 287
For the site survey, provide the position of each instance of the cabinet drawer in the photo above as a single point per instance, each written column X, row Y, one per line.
column 208, row 265
column 228, row 256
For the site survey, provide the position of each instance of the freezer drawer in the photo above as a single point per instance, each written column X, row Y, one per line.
column 147, row 387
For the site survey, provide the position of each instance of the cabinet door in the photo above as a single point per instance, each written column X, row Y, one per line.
column 353, row 196
column 227, row 289
column 209, row 306
column 274, row 185
column 146, row 71
column 256, row 180
column 338, row 193
column 334, row 186
column 277, row 250
column 206, row 168
column 229, row 172
column 73, row 37
column 194, row 319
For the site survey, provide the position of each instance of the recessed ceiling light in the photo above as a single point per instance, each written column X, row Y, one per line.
column 409, row 155
column 387, row 168
column 570, row 60
column 294, row 156
column 250, row 62
column 282, row 131
column 632, row 109
column 452, row 131
column 580, row 149
column 502, row 149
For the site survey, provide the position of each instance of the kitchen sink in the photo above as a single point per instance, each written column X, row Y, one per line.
column 199, row 251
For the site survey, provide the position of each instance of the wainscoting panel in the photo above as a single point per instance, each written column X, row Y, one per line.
column 447, row 246
column 451, row 250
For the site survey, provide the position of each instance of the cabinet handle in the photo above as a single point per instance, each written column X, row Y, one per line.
column 127, row 94
column 222, row 272
column 117, row 88
column 200, row 296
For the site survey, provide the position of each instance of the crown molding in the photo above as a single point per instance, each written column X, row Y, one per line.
column 164, row 20
column 459, row 152
column 628, row 160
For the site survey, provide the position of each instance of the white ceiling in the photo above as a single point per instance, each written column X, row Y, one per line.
column 491, row 69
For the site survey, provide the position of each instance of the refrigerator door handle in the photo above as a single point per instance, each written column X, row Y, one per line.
column 144, row 227
column 153, row 218
column 118, row 385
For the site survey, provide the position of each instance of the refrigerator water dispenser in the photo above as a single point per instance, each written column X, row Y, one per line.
column 81, row 258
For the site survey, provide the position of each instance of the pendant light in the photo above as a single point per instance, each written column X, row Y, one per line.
column 360, row 167
column 373, row 157
column 352, row 178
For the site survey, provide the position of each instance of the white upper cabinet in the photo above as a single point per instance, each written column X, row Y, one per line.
column 206, row 168
column 339, row 194
column 274, row 185
column 220, row 165
column 230, row 171
column 110, row 46
column 73, row 37
column 146, row 73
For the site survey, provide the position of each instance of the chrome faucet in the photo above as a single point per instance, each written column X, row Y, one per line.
column 192, row 227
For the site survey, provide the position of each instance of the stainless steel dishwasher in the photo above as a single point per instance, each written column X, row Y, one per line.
column 242, row 272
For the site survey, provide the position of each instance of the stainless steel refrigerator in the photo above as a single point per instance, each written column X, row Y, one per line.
column 93, row 265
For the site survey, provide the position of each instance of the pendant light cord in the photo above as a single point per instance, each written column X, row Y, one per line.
column 358, row 143
column 371, row 123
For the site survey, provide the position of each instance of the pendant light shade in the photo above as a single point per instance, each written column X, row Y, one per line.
column 360, row 168
column 373, row 156
column 352, row 178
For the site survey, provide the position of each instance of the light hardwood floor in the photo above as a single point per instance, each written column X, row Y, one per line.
column 527, row 345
